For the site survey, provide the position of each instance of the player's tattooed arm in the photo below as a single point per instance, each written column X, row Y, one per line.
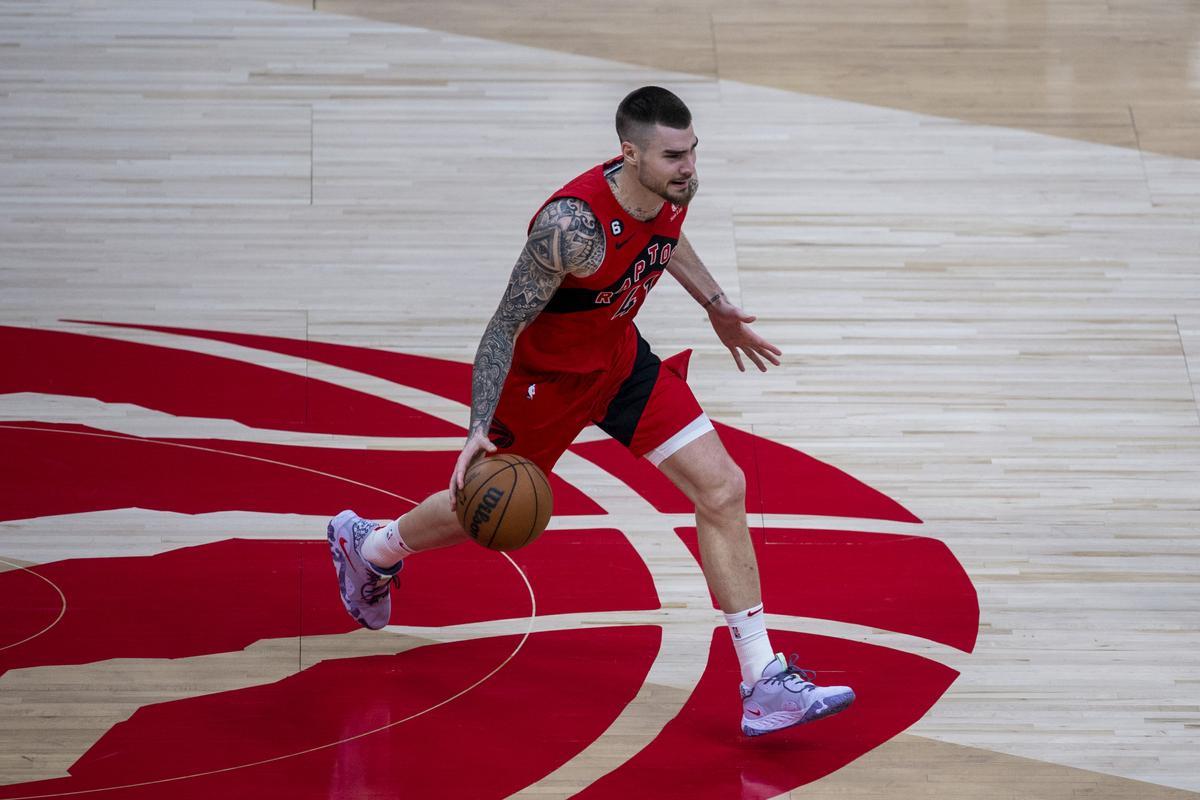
column 565, row 239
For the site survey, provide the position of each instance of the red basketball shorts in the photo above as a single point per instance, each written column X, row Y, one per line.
column 651, row 410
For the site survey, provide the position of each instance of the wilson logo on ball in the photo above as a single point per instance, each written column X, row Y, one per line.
column 483, row 512
column 505, row 502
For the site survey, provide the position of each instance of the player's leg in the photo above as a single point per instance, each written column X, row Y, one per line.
column 708, row 476
column 705, row 473
column 538, row 425
column 368, row 557
column 427, row 527
column 776, row 694
column 655, row 414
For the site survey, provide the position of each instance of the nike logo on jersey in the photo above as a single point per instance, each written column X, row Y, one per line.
column 623, row 242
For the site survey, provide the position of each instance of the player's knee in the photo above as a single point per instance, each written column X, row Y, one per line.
column 726, row 494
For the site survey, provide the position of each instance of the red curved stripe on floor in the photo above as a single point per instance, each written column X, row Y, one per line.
column 902, row 583
column 62, row 473
column 556, row 696
column 183, row 383
column 574, row 571
column 570, row 571
column 223, row 596
column 701, row 754
column 213, row 598
column 779, row 480
column 449, row 379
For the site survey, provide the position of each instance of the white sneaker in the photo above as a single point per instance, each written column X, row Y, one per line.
column 786, row 696
column 365, row 588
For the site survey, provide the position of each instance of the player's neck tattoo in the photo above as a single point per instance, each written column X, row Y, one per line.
column 631, row 208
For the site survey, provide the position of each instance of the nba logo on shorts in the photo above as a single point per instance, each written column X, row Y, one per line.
column 531, row 391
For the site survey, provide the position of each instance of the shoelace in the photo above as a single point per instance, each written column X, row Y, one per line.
column 793, row 672
column 374, row 592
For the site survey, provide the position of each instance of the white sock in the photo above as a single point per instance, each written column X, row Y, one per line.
column 754, row 652
column 383, row 546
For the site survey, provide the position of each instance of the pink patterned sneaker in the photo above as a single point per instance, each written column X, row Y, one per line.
column 365, row 588
column 786, row 696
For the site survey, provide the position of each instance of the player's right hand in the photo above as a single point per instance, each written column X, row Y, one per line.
column 476, row 447
column 733, row 329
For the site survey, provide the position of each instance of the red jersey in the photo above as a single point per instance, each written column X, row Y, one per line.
column 588, row 324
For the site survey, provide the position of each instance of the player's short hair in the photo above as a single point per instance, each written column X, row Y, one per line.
column 646, row 107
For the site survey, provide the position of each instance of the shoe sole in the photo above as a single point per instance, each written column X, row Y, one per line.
column 782, row 720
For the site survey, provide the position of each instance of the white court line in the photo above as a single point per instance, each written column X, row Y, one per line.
column 698, row 618
column 794, row 522
column 426, row 402
column 326, row 746
column 140, row 440
column 62, row 598
column 638, row 508
column 134, row 420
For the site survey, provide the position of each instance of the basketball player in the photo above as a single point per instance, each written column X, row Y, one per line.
column 562, row 352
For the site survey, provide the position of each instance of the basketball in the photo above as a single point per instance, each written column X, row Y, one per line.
column 505, row 502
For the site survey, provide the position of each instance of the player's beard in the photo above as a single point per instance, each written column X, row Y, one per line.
column 673, row 193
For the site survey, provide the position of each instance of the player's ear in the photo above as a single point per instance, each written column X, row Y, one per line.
column 630, row 151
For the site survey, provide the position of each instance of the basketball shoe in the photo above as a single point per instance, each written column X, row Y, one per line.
column 785, row 696
column 365, row 588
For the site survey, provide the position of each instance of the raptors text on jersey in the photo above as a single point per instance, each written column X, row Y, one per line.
column 588, row 324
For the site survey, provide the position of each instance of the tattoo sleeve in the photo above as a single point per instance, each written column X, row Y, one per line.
column 565, row 239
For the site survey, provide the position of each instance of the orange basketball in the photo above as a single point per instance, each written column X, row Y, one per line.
column 505, row 502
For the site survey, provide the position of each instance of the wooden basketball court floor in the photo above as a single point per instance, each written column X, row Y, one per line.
column 246, row 253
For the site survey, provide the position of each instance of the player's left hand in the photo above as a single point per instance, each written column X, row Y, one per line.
column 733, row 328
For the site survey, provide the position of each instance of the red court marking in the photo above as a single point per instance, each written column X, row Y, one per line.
column 221, row 597
column 449, row 379
column 907, row 584
column 572, row 572
column 183, row 383
column 558, row 694
column 592, row 570
column 702, row 755
column 181, row 603
column 67, row 469
column 696, row 755
column 779, row 480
